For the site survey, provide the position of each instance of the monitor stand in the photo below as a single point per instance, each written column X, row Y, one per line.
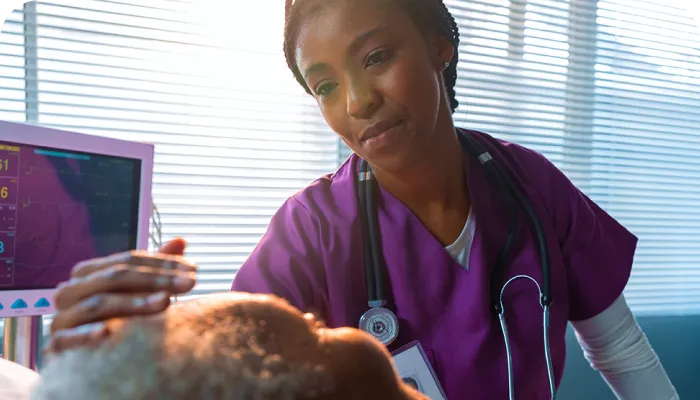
column 23, row 337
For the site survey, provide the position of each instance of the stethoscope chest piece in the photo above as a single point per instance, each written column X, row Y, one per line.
column 380, row 323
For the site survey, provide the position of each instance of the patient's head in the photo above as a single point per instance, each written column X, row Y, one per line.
column 230, row 346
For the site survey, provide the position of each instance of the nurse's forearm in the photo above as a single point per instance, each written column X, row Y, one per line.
column 615, row 345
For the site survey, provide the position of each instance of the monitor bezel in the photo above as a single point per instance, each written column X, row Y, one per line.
column 46, row 137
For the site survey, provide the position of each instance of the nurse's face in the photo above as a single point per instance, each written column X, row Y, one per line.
column 376, row 77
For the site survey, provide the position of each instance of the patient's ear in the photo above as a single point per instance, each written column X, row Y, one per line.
column 361, row 366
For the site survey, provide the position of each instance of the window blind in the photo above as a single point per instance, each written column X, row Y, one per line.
column 608, row 90
column 12, row 77
column 234, row 133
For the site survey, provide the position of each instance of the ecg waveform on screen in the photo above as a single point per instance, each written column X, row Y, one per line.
column 58, row 208
column 66, row 240
column 65, row 207
column 31, row 170
column 73, row 170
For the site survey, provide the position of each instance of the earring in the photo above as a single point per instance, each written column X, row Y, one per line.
column 447, row 64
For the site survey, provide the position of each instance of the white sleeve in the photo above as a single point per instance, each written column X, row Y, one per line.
column 616, row 347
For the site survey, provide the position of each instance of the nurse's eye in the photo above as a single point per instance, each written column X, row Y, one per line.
column 326, row 88
column 377, row 58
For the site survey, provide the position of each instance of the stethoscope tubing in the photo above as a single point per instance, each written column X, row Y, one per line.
column 375, row 268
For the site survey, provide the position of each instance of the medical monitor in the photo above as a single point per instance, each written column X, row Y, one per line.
column 65, row 197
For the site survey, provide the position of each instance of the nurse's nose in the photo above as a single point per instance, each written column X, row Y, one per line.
column 362, row 100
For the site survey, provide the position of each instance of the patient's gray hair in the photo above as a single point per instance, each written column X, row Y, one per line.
column 214, row 348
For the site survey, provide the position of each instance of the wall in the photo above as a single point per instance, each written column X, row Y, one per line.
column 676, row 340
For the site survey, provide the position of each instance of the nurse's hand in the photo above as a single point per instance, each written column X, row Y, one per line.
column 122, row 285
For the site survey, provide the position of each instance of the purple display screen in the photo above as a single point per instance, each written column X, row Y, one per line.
column 58, row 208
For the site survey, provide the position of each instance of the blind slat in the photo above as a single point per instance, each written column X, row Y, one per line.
column 616, row 107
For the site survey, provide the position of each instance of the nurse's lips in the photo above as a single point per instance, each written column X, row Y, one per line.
column 378, row 133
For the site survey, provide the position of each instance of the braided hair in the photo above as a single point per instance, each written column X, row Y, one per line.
column 429, row 16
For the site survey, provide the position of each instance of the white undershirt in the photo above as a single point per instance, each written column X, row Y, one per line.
column 461, row 248
column 612, row 341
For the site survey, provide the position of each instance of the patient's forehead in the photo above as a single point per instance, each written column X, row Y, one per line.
column 235, row 304
column 232, row 317
column 279, row 326
column 226, row 315
column 265, row 308
column 268, row 315
column 217, row 299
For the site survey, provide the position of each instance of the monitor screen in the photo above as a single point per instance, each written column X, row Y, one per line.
column 60, row 207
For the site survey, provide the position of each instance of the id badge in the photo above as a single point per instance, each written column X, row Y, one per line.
column 414, row 368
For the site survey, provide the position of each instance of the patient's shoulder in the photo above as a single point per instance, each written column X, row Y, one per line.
column 16, row 381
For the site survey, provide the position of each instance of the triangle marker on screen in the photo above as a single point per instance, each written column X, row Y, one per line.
column 19, row 303
column 42, row 302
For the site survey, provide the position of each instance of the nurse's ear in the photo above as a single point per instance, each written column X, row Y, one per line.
column 361, row 367
column 441, row 51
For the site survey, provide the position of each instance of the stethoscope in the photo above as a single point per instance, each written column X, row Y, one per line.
column 382, row 323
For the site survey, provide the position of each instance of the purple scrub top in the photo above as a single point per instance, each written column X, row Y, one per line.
column 312, row 256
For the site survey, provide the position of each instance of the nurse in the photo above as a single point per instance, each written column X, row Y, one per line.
column 383, row 74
